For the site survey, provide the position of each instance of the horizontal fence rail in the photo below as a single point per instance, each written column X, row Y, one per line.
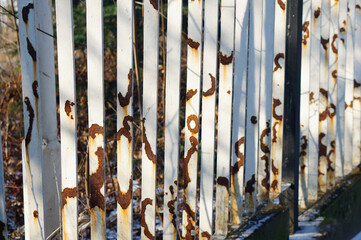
column 195, row 124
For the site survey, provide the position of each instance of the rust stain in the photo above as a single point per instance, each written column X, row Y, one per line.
column 36, row 214
column 125, row 100
column 147, row 147
column 358, row 7
column 274, row 185
column 223, row 181
column 190, row 152
column 25, row 12
column 324, row 43
column 240, row 156
column 193, row 44
column 331, row 110
column 206, row 235
column 250, row 185
column 190, row 119
column 31, row 49
column 171, row 207
column 304, row 146
column 67, row 108
column 317, row 12
column 171, row 189
column 276, row 103
column 190, row 219
column 224, row 59
column 95, row 129
column 265, row 149
column 281, row 4
column 274, row 131
column 143, row 223
column 348, row 105
column 68, row 193
column 342, row 29
column 332, row 151
column 311, row 96
column 124, row 198
column 211, row 91
column 190, row 94
column 275, row 170
column 322, row 149
column 303, row 169
column 356, row 84
column 324, row 92
column 306, row 31
column 334, row 49
column 334, row 75
column 125, row 130
column 35, row 89
column 96, row 182
column 276, row 61
column 229, row 92
column 253, row 119
column 154, row 4
column 30, row 110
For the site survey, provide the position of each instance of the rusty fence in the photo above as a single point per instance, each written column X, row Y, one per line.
column 236, row 113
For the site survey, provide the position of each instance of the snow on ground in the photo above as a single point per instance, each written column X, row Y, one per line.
column 308, row 229
column 357, row 237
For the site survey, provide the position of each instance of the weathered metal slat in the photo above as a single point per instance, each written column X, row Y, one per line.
column 254, row 74
column 68, row 118
column 349, row 84
column 3, row 217
column 341, row 76
column 225, row 94
column 356, row 138
column 171, row 132
column 94, row 21
column 32, row 145
column 323, row 93
column 239, row 109
column 194, row 54
column 210, row 54
column 332, row 93
column 304, row 103
column 265, row 112
column 277, row 98
column 150, row 90
column 124, row 180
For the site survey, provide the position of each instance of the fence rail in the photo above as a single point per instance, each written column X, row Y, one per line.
column 234, row 117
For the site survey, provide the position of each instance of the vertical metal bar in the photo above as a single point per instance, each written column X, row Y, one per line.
column 356, row 156
column 194, row 53
column 265, row 112
column 51, row 149
column 150, row 89
column 304, row 103
column 314, row 99
column 224, row 115
column 341, row 76
column 171, row 132
column 94, row 20
column 3, row 218
column 208, row 117
column 124, row 181
column 332, row 93
column 68, row 117
column 32, row 146
column 323, row 93
column 254, row 74
column 291, row 134
column 349, row 84
column 277, row 97
column 239, row 109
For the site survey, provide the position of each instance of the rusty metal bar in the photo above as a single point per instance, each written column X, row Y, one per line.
column 208, row 117
column 32, row 145
column 3, row 217
column 349, row 85
column 239, row 109
column 68, row 117
column 125, row 77
column 150, row 90
column 356, row 156
column 332, row 94
column 225, row 94
column 323, row 93
column 265, row 112
column 94, row 17
column 171, row 133
column 252, row 117
column 194, row 54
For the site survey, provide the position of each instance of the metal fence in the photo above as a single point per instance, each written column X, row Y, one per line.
column 235, row 112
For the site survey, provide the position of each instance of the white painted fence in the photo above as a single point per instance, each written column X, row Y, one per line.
column 233, row 113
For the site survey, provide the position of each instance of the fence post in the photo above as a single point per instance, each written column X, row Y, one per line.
column 292, row 106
